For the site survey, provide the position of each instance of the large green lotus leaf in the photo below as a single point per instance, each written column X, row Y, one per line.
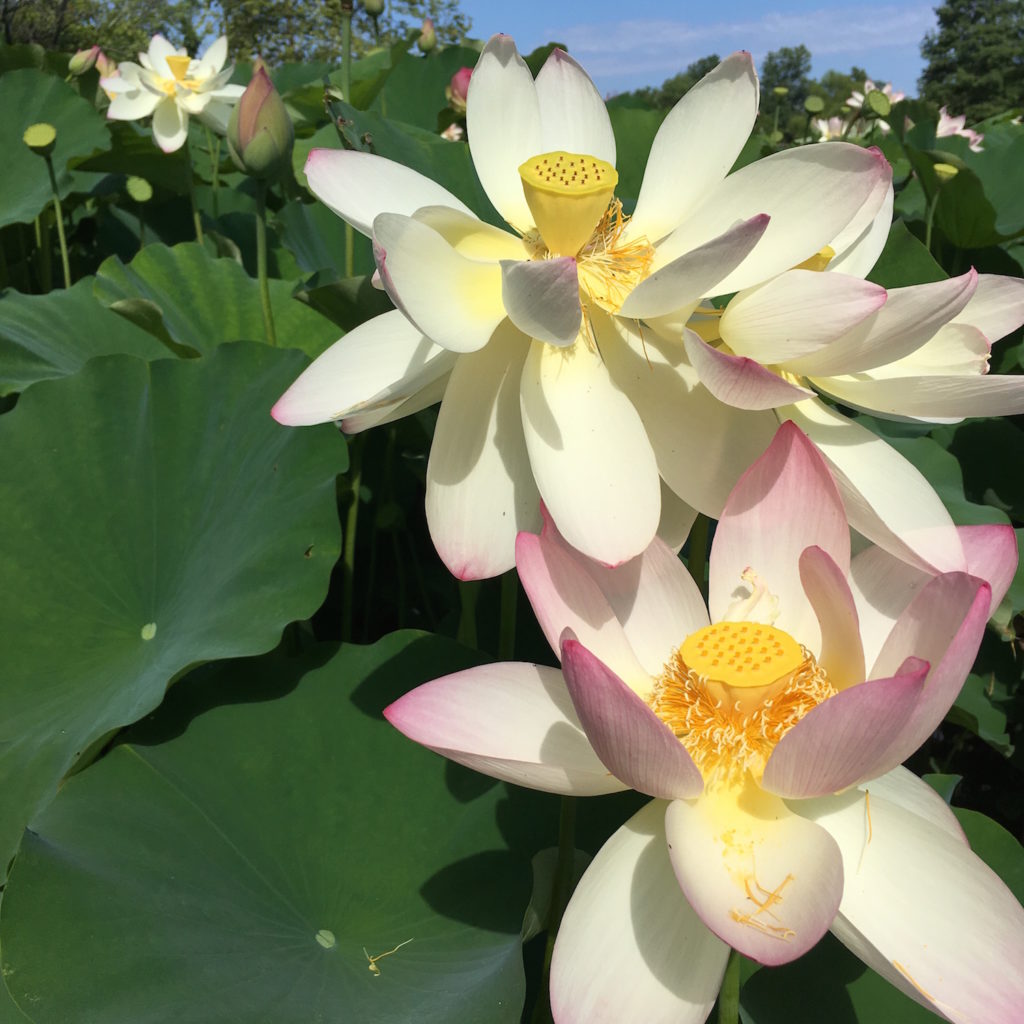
column 996, row 847
column 154, row 516
column 27, row 97
column 904, row 261
column 998, row 167
column 247, row 850
column 43, row 336
column 317, row 238
column 133, row 151
column 204, row 301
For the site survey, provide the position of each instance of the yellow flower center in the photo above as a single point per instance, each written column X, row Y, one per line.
column 179, row 69
column 179, row 66
column 732, row 691
column 571, row 197
column 819, row 261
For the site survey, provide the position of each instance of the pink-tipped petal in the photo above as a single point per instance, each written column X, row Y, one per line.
column 629, row 738
column 503, row 121
column 925, row 912
column 737, row 380
column 785, row 502
column 694, row 275
column 379, row 363
column 797, row 313
column 997, row 306
column 630, row 948
column 848, row 739
column 842, row 655
column 480, row 490
column 991, row 553
column 858, row 246
column 454, row 301
column 512, row 721
column 564, row 594
column 719, row 110
column 942, row 625
column 763, row 879
column 573, row 116
column 359, row 186
column 542, row 298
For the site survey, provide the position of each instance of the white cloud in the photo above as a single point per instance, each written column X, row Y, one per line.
column 661, row 46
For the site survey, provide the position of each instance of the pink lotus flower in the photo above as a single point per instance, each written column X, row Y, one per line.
column 770, row 748
column 949, row 125
column 458, row 89
column 530, row 335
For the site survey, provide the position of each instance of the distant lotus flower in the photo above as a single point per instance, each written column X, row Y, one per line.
column 829, row 128
column 105, row 66
column 428, row 37
column 769, row 729
column 539, row 338
column 949, row 125
column 856, row 99
column 83, row 61
column 454, row 132
column 458, row 88
column 171, row 86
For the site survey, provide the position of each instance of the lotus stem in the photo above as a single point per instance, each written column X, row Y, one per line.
column 261, row 261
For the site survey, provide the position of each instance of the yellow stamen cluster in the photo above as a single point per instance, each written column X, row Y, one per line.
column 732, row 691
column 179, row 66
column 610, row 269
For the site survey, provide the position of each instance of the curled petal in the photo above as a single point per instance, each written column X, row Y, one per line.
column 542, row 298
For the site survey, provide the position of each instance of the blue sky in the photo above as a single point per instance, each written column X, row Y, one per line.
column 626, row 44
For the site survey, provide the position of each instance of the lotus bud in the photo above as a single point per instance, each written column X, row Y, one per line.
column 83, row 60
column 458, row 88
column 428, row 37
column 260, row 132
column 105, row 66
column 373, row 7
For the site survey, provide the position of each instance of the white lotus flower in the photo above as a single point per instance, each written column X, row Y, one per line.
column 518, row 329
column 950, row 125
column 171, row 86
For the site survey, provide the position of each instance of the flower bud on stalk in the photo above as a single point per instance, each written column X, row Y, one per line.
column 374, row 7
column 83, row 61
column 428, row 37
column 458, row 88
column 260, row 132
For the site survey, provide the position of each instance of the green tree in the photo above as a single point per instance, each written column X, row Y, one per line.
column 975, row 58
column 787, row 68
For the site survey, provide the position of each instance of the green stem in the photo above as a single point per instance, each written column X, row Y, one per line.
column 507, row 628
column 469, row 592
column 930, row 219
column 214, row 151
column 697, row 558
column 190, row 181
column 561, row 890
column 261, row 261
column 64, row 262
column 355, row 454
column 729, row 994
column 44, row 270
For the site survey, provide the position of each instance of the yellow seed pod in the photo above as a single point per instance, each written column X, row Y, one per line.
column 40, row 138
column 567, row 194
column 742, row 654
column 945, row 172
column 178, row 63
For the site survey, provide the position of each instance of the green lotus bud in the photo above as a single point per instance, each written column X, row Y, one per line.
column 40, row 138
column 428, row 37
column 260, row 132
column 780, row 90
column 84, row 60
column 373, row 7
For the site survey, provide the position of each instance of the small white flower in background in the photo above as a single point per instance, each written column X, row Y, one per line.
column 856, row 99
column 454, row 132
column 829, row 128
column 171, row 86
column 955, row 126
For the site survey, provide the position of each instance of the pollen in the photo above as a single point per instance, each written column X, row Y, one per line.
column 732, row 691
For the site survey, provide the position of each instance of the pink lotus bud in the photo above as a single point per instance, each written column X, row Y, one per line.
column 428, row 37
column 458, row 89
column 260, row 132
column 105, row 66
column 84, row 60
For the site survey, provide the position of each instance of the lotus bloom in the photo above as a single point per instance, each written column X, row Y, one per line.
column 170, row 85
column 915, row 353
column 524, row 331
column 829, row 127
column 856, row 98
column 770, row 748
column 458, row 88
column 949, row 125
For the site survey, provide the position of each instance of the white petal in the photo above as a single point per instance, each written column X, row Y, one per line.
column 430, row 394
column 677, row 518
column 860, row 243
column 573, row 116
column 512, row 721
column 924, row 912
column 701, row 445
column 886, row 498
column 903, row 788
column 132, row 104
column 630, row 948
column 503, row 121
column 470, row 236
column 170, row 126
column 956, row 349
column 590, row 454
column 455, row 301
column 480, row 491
column 358, row 186
column 159, row 50
column 997, row 306
column 797, row 313
column 695, row 147
column 811, row 193
column 542, row 298
column 380, row 362
column 215, row 55
column 908, row 319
